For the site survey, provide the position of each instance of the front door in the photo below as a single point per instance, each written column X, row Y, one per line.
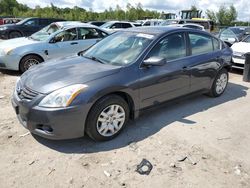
column 162, row 83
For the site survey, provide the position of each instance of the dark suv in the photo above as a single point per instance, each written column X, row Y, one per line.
column 25, row 27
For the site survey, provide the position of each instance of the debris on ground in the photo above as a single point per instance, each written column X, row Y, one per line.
column 237, row 170
column 226, row 138
column 32, row 162
column 23, row 135
column 71, row 180
column 107, row 173
column 173, row 165
column 182, row 159
column 10, row 136
column 144, row 168
column 2, row 96
column 133, row 146
column 51, row 170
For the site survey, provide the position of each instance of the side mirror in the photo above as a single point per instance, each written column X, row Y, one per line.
column 81, row 52
column 154, row 61
column 52, row 40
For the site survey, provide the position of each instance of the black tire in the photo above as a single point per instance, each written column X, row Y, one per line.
column 95, row 112
column 213, row 91
column 15, row 34
column 26, row 63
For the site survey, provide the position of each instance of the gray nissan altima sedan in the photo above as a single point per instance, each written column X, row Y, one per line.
column 98, row 91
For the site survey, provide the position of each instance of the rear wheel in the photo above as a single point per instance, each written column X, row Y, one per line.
column 220, row 83
column 107, row 118
column 29, row 61
column 15, row 34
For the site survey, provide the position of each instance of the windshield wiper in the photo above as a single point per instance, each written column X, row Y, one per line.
column 30, row 37
column 95, row 59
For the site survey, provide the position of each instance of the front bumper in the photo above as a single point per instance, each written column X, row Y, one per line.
column 10, row 62
column 51, row 123
column 238, row 62
column 3, row 34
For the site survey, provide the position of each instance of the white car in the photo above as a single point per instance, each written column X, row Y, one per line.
column 188, row 25
column 152, row 22
column 113, row 26
column 239, row 51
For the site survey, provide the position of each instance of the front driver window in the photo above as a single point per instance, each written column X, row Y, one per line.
column 171, row 47
column 90, row 33
column 68, row 35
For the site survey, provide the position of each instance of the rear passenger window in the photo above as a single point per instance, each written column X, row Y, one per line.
column 216, row 44
column 90, row 33
column 200, row 44
column 171, row 47
column 44, row 22
column 126, row 25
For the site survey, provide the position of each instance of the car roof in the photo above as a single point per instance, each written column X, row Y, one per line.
column 156, row 30
column 159, row 30
column 70, row 24
column 115, row 21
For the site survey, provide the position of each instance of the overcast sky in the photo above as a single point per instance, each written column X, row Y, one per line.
column 175, row 6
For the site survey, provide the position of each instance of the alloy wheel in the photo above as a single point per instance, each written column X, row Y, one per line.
column 111, row 120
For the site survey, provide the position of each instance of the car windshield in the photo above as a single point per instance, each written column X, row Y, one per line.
column 23, row 21
column 44, row 34
column 121, row 48
column 107, row 25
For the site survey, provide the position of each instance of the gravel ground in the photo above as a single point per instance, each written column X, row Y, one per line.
column 195, row 142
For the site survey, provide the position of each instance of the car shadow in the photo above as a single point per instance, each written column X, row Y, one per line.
column 149, row 123
column 10, row 72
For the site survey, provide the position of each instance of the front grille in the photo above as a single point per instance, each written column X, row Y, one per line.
column 26, row 93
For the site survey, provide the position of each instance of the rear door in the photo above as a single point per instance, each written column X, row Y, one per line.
column 162, row 83
column 205, row 60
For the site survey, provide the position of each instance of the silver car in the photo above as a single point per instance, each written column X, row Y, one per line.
column 59, row 39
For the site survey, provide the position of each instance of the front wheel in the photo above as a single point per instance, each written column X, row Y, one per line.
column 29, row 61
column 107, row 118
column 15, row 34
column 220, row 84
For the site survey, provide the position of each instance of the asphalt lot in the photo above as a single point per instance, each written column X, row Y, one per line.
column 212, row 132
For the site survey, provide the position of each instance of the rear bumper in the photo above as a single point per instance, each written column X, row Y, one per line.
column 51, row 123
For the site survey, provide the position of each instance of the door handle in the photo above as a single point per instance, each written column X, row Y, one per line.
column 185, row 68
column 73, row 43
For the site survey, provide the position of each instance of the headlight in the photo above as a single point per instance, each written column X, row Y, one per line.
column 3, row 28
column 62, row 97
column 7, row 51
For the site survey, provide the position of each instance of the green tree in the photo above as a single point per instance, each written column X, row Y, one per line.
column 224, row 17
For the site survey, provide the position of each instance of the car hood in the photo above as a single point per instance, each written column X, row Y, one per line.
column 15, row 43
column 242, row 47
column 56, row 74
